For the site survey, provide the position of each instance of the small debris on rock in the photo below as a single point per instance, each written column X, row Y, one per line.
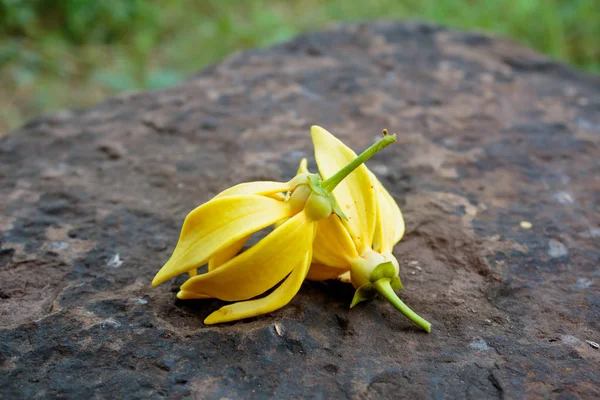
column 278, row 329
column 564, row 197
column 593, row 344
column 115, row 261
column 556, row 249
column 526, row 224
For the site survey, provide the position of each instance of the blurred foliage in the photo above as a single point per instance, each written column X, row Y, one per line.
column 72, row 53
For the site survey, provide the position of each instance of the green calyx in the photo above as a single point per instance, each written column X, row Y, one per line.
column 384, row 281
column 324, row 188
column 315, row 183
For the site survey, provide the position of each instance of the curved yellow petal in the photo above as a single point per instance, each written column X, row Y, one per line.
column 355, row 194
column 227, row 253
column 181, row 295
column 333, row 245
column 395, row 216
column 217, row 224
column 320, row 272
column 274, row 301
column 382, row 238
column 390, row 223
column 259, row 268
column 263, row 188
column 302, row 167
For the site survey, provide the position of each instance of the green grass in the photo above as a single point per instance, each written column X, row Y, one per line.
column 58, row 54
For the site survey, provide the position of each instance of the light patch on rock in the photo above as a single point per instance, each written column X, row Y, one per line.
column 58, row 246
column 583, row 283
column 479, row 344
column 556, row 249
column 115, row 261
column 564, row 197
column 110, row 323
column 569, row 339
column 380, row 169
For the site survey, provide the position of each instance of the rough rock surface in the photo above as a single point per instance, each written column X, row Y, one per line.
column 490, row 134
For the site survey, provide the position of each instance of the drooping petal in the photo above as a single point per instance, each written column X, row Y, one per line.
column 263, row 188
column 355, row 193
column 259, row 268
column 217, row 224
column 333, row 245
column 226, row 254
column 382, row 237
column 279, row 298
column 320, row 272
column 390, row 222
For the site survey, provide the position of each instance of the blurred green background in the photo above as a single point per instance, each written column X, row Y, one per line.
column 57, row 54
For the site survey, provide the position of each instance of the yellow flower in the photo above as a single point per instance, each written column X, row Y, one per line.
column 358, row 249
column 216, row 231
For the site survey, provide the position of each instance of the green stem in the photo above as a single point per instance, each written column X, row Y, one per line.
column 330, row 183
column 385, row 289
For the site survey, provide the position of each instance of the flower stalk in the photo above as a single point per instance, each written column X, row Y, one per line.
column 330, row 183
column 384, row 288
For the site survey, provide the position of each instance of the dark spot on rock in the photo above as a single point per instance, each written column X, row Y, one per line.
column 342, row 322
column 112, row 150
column 209, row 124
column 331, row 368
column 6, row 256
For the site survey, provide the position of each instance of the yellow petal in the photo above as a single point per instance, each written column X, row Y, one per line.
column 303, row 167
column 382, row 238
column 319, row 272
column 259, row 268
column 355, row 194
column 263, row 188
column 390, row 218
column 333, row 245
column 217, row 224
column 279, row 298
column 227, row 253
column 345, row 277
column 181, row 295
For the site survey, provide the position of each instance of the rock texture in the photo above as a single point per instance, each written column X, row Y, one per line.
column 491, row 134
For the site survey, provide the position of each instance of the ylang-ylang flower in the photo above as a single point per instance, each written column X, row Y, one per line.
column 358, row 248
column 216, row 231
